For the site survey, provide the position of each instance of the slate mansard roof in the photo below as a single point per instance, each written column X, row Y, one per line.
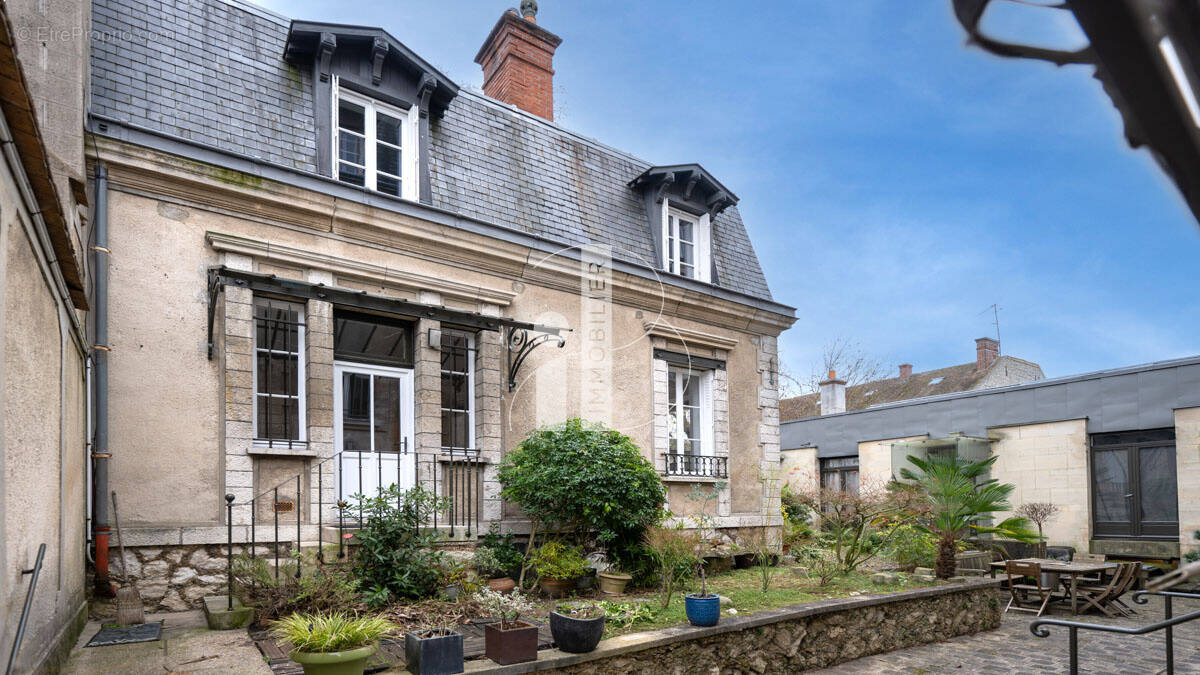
column 212, row 73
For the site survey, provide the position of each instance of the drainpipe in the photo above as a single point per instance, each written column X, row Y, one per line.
column 100, row 452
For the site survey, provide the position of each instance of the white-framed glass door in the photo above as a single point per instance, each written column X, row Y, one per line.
column 373, row 428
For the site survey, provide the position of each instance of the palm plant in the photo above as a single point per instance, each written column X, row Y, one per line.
column 960, row 498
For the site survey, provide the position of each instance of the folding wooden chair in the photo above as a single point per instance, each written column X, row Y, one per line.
column 1090, row 558
column 1106, row 596
column 1021, row 589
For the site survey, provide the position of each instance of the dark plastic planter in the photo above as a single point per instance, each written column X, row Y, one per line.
column 434, row 655
column 577, row 636
column 514, row 645
column 702, row 610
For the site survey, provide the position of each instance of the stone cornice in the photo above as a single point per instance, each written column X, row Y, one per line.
column 464, row 244
column 346, row 267
column 661, row 328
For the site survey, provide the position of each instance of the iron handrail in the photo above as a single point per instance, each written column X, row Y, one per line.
column 458, row 480
column 1040, row 627
column 36, row 570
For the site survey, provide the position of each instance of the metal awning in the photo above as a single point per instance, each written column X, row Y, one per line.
column 270, row 284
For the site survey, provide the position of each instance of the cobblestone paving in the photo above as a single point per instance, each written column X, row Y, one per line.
column 1013, row 649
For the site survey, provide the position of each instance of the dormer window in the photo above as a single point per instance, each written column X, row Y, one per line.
column 376, row 146
column 685, row 243
column 681, row 202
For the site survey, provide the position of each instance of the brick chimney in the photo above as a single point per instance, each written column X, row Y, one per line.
column 833, row 395
column 905, row 371
column 517, row 59
column 986, row 352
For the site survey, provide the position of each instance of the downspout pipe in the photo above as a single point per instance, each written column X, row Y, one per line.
column 100, row 453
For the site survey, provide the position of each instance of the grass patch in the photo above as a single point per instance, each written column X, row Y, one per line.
column 744, row 590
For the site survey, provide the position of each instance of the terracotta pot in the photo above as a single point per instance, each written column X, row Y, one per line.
column 502, row 584
column 613, row 583
column 556, row 588
column 513, row 645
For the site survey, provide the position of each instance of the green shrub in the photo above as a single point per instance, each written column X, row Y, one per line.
column 912, row 548
column 584, row 478
column 558, row 561
column 333, row 632
column 497, row 555
column 793, row 505
column 395, row 556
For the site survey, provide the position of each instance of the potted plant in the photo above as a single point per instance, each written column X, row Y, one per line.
column 703, row 608
column 613, row 581
column 488, row 563
column 436, row 651
column 558, row 565
column 508, row 639
column 456, row 578
column 330, row 644
column 577, row 629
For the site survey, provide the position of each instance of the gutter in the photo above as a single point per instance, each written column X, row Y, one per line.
column 100, row 454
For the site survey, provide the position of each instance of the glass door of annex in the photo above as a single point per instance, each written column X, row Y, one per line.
column 1134, row 492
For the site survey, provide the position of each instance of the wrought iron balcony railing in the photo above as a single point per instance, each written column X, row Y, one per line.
column 695, row 466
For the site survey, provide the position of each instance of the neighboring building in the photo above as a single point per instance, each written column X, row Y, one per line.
column 1117, row 450
column 990, row 369
column 43, row 370
column 316, row 234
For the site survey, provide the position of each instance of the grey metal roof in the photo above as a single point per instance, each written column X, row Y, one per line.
column 212, row 73
column 1120, row 399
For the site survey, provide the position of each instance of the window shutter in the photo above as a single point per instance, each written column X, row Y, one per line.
column 704, row 249
column 706, row 414
column 333, row 124
column 662, row 234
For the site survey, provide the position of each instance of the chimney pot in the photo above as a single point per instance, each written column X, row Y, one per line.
column 518, row 62
column 905, row 370
column 833, row 395
column 987, row 350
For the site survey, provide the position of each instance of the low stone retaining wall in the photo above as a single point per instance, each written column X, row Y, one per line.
column 787, row 640
column 175, row 578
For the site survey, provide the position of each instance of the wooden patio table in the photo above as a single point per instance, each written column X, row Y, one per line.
column 1074, row 570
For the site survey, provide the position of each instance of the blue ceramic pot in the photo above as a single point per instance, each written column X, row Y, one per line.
column 701, row 610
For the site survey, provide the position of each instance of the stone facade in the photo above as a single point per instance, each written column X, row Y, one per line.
column 1187, row 458
column 793, row 639
column 1049, row 463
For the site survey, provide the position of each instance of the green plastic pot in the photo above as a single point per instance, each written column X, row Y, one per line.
column 349, row 662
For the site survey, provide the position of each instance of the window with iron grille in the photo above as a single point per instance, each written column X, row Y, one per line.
column 278, row 373
column 458, row 390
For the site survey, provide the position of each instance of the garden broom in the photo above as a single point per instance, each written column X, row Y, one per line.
column 129, row 601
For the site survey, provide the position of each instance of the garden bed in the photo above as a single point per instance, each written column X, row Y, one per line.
column 742, row 588
column 789, row 639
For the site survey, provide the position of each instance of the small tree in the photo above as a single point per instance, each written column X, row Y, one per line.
column 585, row 478
column 862, row 522
column 1039, row 513
column 959, row 499
column 674, row 552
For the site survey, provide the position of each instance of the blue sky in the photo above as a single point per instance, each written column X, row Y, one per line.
column 895, row 182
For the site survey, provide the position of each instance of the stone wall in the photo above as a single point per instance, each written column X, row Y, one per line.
column 1049, row 463
column 175, row 578
column 791, row 639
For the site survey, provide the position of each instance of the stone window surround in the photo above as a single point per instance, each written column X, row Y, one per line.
column 240, row 453
column 719, row 388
